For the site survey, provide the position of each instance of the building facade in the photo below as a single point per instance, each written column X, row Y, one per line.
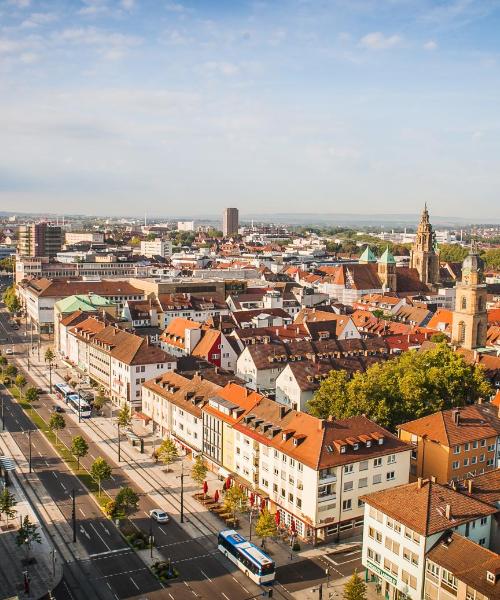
column 423, row 256
column 39, row 239
column 230, row 222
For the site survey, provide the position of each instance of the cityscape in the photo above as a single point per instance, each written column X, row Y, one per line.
column 249, row 300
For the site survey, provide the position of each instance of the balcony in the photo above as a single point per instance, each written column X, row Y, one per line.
column 328, row 477
column 326, row 497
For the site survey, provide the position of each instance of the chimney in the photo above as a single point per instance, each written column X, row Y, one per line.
column 433, row 478
column 321, row 424
column 282, row 411
column 456, row 416
column 448, row 512
column 480, row 401
column 469, row 486
column 419, row 483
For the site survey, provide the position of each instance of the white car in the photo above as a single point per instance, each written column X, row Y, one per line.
column 159, row 515
column 9, row 351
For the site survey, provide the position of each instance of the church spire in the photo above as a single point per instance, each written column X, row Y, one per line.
column 423, row 254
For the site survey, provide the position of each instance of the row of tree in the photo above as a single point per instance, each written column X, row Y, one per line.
column 408, row 387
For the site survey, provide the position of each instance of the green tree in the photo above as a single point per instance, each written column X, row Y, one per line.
column 7, row 503
column 79, row 449
column 100, row 402
column 167, row 452
column 56, row 424
column 408, row 387
column 11, row 371
column 11, row 300
column 100, row 471
column 332, row 397
column 124, row 417
column 20, row 384
column 31, row 394
column 126, row 503
column 266, row 526
column 3, row 363
column 452, row 253
column 439, row 337
column 492, row 258
column 235, row 500
column 27, row 535
column 49, row 356
column 199, row 471
column 355, row 588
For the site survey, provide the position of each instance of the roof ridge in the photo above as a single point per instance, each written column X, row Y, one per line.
column 445, row 427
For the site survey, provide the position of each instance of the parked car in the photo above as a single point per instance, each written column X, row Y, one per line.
column 159, row 515
column 9, row 351
column 57, row 409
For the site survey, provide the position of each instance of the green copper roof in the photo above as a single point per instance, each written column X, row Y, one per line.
column 387, row 258
column 367, row 256
column 84, row 302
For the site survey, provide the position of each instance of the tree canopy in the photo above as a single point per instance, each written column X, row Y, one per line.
column 452, row 252
column 167, row 452
column 408, row 387
column 100, row 471
column 79, row 448
column 355, row 588
column 266, row 525
column 199, row 471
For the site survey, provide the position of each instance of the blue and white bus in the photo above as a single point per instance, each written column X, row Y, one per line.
column 77, row 403
column 63, row 391
column 251, row 560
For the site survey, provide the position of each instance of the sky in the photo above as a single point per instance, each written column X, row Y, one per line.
column 183, row 107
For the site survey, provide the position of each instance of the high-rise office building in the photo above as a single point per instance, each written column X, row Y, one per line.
column 230, row 222
column 39, row 239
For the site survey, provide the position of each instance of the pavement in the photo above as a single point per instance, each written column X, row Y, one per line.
column 191, row 545
column 45, row 571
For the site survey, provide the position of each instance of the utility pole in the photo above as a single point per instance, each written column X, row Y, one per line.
column 73, row 513
column 151, row 538
column 29, row 443
column 79, row 407
column 119, row 447
column 3, row 415
column 181, row 477
column 50, row 377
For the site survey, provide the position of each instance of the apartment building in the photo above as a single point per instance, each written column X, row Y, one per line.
column 455, row 444
column 174, row 404
column 39, row 296
column 230, row 222
column 83, row 237
column 117, row 360
column 402, row 524
column 39, row 239
column 156, row 247
column 196, row 307
column 260, row 365
column 460, row 569
column 310, row 470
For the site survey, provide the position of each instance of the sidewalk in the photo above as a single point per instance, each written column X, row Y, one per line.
column 335, row 590
column 46, row 570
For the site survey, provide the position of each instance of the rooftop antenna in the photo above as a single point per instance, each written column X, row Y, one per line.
column 145, row 219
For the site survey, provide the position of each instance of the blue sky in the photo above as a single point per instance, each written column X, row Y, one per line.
column 184, row 107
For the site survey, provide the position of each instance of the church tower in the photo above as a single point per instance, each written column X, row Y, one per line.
column 386, row 270
column 423, row 255
column 470, row 319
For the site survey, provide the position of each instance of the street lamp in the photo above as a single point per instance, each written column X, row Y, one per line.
column 3, row 415
column 181, row 477
column 327, row 573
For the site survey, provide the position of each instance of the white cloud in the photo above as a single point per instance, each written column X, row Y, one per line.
column 430, row 45
column 93, row 7
column 20, row 3
column 128, row 4
column 378, row 41
column 28, row 58
column 37, row 19
column 175, row 7
column 223, row 68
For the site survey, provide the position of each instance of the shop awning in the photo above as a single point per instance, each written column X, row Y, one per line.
column 7, row 463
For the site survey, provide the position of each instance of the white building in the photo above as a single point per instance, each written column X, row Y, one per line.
column 156, row 247
column 403, row 524
column 185, row 225
column 80, row 237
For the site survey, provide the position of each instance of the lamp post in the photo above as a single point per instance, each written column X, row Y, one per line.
column 327, row 573
column 181, row 477
column 151, row 538
column 119, row 447
column 73, row 513
column 29, row 443
column 3, row 414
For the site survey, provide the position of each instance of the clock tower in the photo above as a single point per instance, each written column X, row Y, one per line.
column 424, row 256
column 470, row 319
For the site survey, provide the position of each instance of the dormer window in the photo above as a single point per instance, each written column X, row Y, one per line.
column 490, row 577
column 355, row 446
column 295, row 442
column 343, row 449
column 380, row 441
column 368, row 443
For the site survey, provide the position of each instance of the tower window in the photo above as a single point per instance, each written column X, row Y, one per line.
column 461, row 332
column 464, row 303
column 480, row 304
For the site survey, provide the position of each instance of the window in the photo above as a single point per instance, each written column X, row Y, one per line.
column 348, row 486
column 360, row 503
column 482, row 541
column 466, row 462
column 348, row 469
column 299, row 503
column 473, row 460
column 482, row 458
column 363, row 482
column 391, row 545
column 390, row 476
column 410, row 580
column 483, row 443
column 377, row 479
column 391, row 459
column 455, row 464
column 347, row 505
column 363, row 465
column 377, row 462
column 456, row 450
column 484, row 520
column 466, row 447
column 475, row 444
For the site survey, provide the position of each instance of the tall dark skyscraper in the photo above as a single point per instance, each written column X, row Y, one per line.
column 230, row 222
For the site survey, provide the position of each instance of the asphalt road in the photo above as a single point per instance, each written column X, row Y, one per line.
column 204, row 573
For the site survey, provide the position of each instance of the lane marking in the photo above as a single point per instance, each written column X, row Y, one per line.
column 100, row 536
column 82, row 512
column 224, row 595
column 206, row 575
column 134, row 582
column 161, row 529
column 63, row 486
column 55, row 474
column 107, row 552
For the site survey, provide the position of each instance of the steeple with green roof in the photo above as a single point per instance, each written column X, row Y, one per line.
column 387, row 258
column 367, row 256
